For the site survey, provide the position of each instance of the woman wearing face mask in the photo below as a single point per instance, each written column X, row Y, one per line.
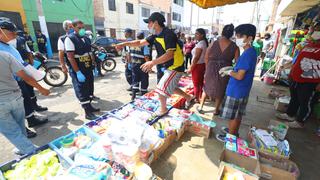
column 219, row 54
column 305, row 76
column 241, row 79
column 198, row 66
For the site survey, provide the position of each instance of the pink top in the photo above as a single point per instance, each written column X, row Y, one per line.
column 188, row 47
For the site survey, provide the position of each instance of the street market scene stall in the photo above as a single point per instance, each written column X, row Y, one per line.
column 172, row 122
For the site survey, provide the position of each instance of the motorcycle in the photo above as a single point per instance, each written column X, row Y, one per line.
column 54, row 76
column 108, row 63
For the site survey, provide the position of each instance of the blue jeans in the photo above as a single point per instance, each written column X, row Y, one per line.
column 12, row 125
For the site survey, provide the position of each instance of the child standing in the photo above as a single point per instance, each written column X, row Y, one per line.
column 241, row 79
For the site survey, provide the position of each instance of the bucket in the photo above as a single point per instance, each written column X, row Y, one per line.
column 268, row 79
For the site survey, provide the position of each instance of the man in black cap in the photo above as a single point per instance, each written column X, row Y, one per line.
column 169, row 56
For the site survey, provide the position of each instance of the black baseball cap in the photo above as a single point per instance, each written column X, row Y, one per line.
column 128, row 30
column 5, row 23
column 156, row 16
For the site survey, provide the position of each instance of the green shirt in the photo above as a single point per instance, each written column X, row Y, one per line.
column 258, row 45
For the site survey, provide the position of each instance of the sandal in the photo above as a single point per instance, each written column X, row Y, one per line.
column 188, row 103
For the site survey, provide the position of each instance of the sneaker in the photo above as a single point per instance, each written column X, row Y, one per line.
column 225, row 130
column 284, row 116
column 221, row 137
column 34, row 121
column 30, row 134
column 188, row 103
column 17, row 152
column 90, row 116
column 295, row 125
column 40, row 108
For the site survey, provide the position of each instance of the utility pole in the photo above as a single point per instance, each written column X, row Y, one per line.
column 43, row 27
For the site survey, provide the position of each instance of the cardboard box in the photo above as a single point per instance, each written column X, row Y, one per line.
column 180, row 132
column 166, row 143
column 199, row 129
column 253, row 143
column 227, row 168
column 281, row 104
column 247, row 163
column 276, row 169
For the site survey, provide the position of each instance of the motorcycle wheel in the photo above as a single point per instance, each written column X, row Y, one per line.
column 109, row 64
column 55, row 77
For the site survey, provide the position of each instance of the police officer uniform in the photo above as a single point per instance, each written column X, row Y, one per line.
column 140, row 79
column 29, row 41
column 41, row 41
column 81, row 47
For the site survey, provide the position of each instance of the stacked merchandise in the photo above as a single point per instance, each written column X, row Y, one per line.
column 266, row 143
column 117, row 145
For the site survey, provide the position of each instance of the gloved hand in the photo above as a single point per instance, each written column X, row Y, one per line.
column 95, row 72
column 80, row 77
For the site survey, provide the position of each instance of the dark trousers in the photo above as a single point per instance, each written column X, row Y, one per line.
column 187, row 60
column 128, row 74
column 28, row 107
column 159, row 72
column 301, row 100
column 98, row 65
column 83, row 91
column 139, row 78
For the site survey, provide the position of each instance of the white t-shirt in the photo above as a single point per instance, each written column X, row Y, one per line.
column 60, row 45
column 267, row 44
column 13, row 43
column 202, row 45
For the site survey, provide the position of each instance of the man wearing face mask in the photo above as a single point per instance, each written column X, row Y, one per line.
column 78, row 48
column 63, row 59
column 240, row 83
column 169, row 56
column 305, row 76
column 12, row 124
column 41, row 41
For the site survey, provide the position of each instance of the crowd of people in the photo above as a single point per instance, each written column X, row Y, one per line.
column 218, row 70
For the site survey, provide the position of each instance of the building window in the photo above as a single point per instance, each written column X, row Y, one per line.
column 145, row 12
column 176, row 17
column 112, row 5
column 129, row 7
column 178, row 2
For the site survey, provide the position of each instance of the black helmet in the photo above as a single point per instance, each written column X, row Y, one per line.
column 5, row 23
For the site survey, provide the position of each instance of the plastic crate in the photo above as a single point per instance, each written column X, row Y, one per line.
column 56, row 144
column 66, row 163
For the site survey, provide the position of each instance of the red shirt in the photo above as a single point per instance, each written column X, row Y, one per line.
column 188, row 47
column 307, row 66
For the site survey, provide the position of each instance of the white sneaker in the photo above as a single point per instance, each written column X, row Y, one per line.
column 284, row 116
column 295, row 125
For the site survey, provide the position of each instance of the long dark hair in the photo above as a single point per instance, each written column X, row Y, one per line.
column 228, row 31
column 203, row 33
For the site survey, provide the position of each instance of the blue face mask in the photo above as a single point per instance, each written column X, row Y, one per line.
column 70, row 31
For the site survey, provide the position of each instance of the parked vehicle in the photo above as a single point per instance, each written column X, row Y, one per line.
column 108, row 63
column 108, row 44
column 54, row 75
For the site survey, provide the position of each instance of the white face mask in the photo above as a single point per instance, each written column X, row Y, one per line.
column 152, row 30
column 315, row 35
column 240, row 42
